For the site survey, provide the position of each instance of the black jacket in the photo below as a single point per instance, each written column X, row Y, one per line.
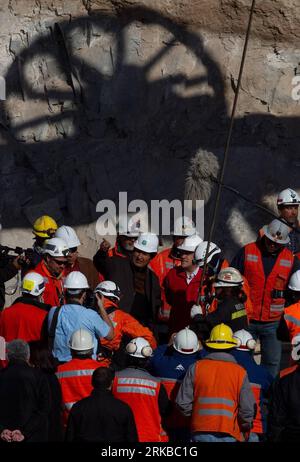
column 121, row 271
column 284, row 409
column 101, row 418
column 24, row 401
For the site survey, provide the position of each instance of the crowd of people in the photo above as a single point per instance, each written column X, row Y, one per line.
column 142, row 345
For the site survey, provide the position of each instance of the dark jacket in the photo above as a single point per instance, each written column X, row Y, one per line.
column 121, row 271
column 24, row 401
column 284, row 410
column 101, row 418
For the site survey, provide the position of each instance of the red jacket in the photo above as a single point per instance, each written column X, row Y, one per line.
column 266, row 307
column 292, row 319
column 161, row 264
column 24, row 320
column 54, row 292
column 181, row 296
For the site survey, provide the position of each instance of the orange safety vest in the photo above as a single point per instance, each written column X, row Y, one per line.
column 161, row 264
column 292, row 318
column 141, row 392
column 54, row 290
column 75, row 378
column 257, row 422
column 264, row 306
column 125, row 324
column 175, row 419
column 217, row 387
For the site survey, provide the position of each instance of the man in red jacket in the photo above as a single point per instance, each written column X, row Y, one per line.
column 52, row 269
column 182, row 285
column 24, row 319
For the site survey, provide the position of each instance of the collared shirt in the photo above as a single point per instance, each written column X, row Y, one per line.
column 71, row 318
column 190, row 276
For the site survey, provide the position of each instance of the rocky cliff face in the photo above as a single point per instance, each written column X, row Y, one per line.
column 119, row 95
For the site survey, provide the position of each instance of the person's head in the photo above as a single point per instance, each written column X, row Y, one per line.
column 33, row 285
column 221, row 339
column 81, row 344
column 17, row 351
column 212, row 260
column 276, row 236
column 293, row 292
column 145, row 248
column 76, row 286
column 40, row 356
column 128, row 232
column 102, row 378
column 229, row 283
column 183, row 227
column 44, row 228
column 138, row 352
column 109, row 290
column 70, row 237
column 245, row 341
column 186, row 342
column 187, row 252
column 288, row 205
column 55, row 255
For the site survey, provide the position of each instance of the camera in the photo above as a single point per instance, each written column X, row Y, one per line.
column 5, row 255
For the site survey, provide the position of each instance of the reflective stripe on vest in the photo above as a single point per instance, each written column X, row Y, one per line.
column 68, row 374
column 216, row 411
column 238, row 314
column 292, row 319
column 253, row 258
column 140, row 390
column 285, row 263
column 276, row 307
column 134, row 381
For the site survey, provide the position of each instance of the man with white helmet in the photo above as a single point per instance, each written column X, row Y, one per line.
column 52, row 267
column 288, row 202
column 145, row 394
column 230, row 308
column 168, row 258
column 125, row 327
column 289, row 325
column 170, row 362
column 25, row 318
column 75, row 376
column 182, row 284
column 139, row 286
column 260, row 381
column 65, row 319
column 267, row 265
column 76, row 262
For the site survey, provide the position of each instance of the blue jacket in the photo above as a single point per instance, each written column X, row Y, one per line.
column 169, row 363
column 257, row 374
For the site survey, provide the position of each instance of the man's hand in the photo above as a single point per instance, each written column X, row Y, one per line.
column 195, row 310
column 104, row 246
column 17, row 436
column 6, row 435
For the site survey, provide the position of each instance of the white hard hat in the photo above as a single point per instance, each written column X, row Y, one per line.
column 81, row 340
column 294, row 282
column 147, row 242
column 76, row 281
column 288, row 197
column 244, row 339
column 186, row 341
column 109, row 289
column 184, row 226
column 33, row 284
column 277, row 232
column 139, row 348
column 56, row 247
column 68, row 235
column 201, row 251
column 229, row 277
column 190, row 243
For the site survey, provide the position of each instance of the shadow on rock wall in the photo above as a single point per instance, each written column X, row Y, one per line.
column 105, row 104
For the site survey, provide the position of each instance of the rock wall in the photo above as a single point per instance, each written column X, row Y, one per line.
column 119, row 95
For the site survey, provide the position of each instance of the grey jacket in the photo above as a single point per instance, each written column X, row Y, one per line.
column 247, row 406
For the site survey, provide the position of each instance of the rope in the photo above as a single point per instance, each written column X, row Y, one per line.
column 221, row 177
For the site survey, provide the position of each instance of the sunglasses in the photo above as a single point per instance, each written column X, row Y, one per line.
column 59, row 262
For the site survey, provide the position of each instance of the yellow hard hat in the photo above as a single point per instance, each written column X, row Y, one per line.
column 221, row 338
column 44, row 227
